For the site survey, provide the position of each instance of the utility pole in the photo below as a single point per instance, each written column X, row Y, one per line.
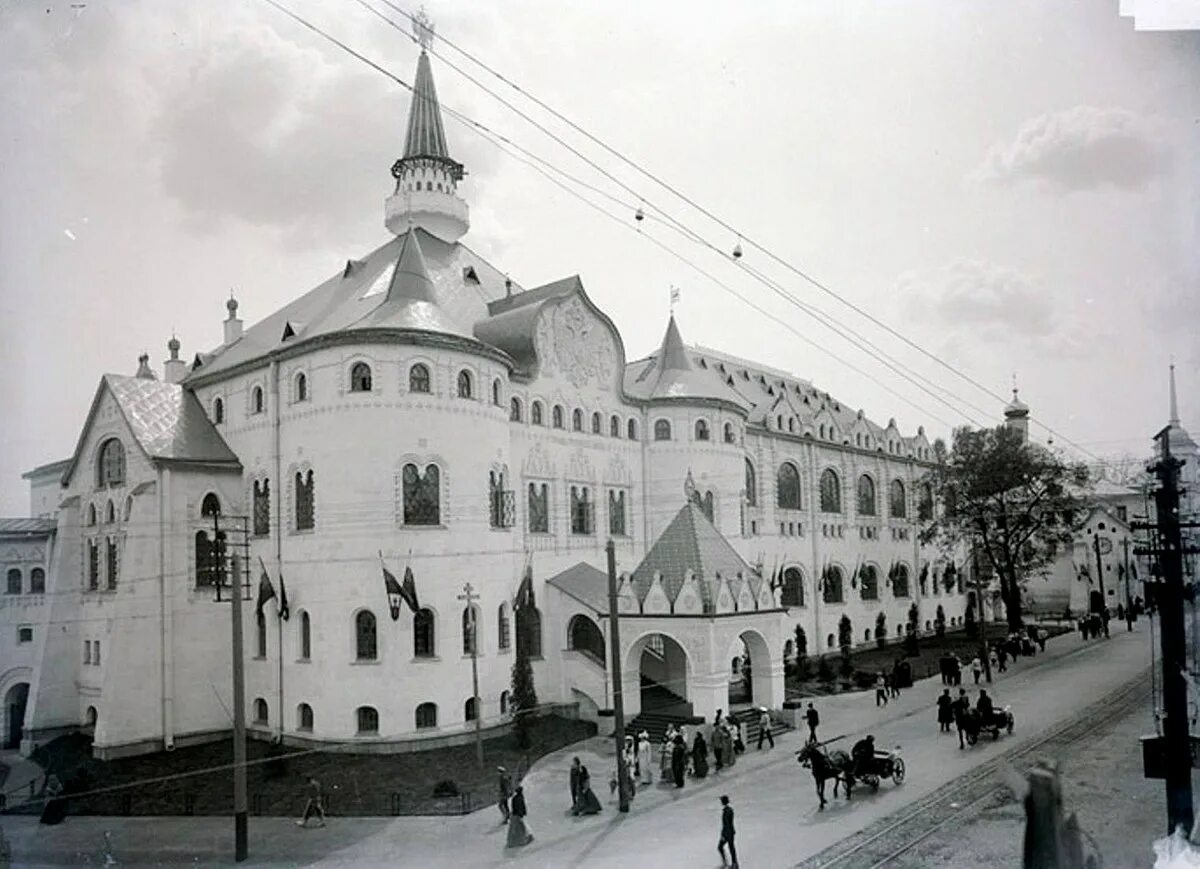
column 614, row 636
column 1100, row 573
column 240, row 815
column 1128, row 598
column 983, row 647
column 470, row 597
column 1174, row 642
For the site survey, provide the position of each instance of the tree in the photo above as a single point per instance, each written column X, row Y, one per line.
column 880, row 629
column 524, row 696
column 846, row 641
column 801, row 653
column 911, row 630
column 939, row 622
column 1016, row 503
column 969, row 620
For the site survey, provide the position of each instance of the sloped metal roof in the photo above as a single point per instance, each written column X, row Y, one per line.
column 670, row 374
column 585, row 583
column 27, row 527
column 689, row 545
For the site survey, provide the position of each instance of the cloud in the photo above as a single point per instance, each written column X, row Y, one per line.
column 981, row 298
column 1080, row 148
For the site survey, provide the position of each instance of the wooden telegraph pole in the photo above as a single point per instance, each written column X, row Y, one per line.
column 980, row 620
column 470, row 597
column 614, row 636
column 1100, row 573
column 1128, row 597
column 240, row 814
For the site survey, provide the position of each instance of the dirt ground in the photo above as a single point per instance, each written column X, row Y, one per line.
column 1122, row 811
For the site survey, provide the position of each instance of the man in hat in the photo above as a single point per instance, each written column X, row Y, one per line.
column 812, row 718
column 727, row 833
column 503, row 792
column 764, row 727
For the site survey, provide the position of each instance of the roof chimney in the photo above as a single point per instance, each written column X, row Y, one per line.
column 174, row 368
column 233, row 326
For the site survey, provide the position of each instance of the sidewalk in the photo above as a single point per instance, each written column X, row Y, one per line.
column 21, row 770
column 478, row 839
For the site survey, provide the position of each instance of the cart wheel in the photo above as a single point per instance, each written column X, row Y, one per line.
column 972, row 738
column 1010, row 724
column 898, row 771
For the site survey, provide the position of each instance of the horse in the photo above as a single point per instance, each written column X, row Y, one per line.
column 835, row 765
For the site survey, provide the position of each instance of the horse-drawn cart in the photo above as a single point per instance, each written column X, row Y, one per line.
column 974, row 724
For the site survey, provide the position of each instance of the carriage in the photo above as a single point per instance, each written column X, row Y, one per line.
column 885, row 764
column 842, row 769
column 1000, row 720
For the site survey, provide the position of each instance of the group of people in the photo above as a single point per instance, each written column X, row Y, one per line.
column 954, row 710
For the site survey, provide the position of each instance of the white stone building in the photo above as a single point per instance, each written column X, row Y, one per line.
column 419, row 408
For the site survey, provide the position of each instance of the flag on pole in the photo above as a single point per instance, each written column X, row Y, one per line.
column 674, row 297
column 266, row 591
column 408, row 589
column 392, row 588
column 284, row 612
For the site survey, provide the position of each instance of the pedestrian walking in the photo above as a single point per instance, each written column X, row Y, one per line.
column 700, row 756
column 587, row 803
column 727, row 833
column 664, row 758
column 994, row 659
column 575, row 778
column 881, row 697
column 730, row 750
column 1002, row 657
column 764, row 727
column 503, row 792
column 313, row 806
column 645, row 760
column 957, row 669
column 739, row 737
column 631, row 756
column 518, row 831
column 1042, row 635
column 812, row 718
column 678, row 760
column 945, row 713
column 962, row 708
column 895, row 685
column 976, row 668
column 55, row 807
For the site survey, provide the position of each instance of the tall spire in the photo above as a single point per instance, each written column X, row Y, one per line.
column 1174, row 420
column 673, row 356
column 426, row 175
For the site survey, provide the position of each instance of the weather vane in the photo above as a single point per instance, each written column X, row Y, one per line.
column 422, row 26
column 674, row 298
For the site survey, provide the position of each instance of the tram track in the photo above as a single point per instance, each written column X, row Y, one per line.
column 888, row 839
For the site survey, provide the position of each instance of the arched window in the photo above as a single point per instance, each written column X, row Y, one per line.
column 261, row 498
column 503, row 702
column 422, row 495
column 831, row 492
column 210, row 506
column 832, row 589
column 302, row 395
column 37, row 581
column 583, row 635
column 868, row 582
column 865, row 496
column 751, row 484
column 701, row 430
column 535, row 414
column 514, row 409
column 787, row 487
column 128, row 507
column 218, row 413
column 900, row 581
column 529, row 631
column 423, row 635
column 631, row 429
column 925, row 505
column 502, row 629
column 792, row 593
column 471, row 709
column 662, row 430
column 581, row 511
column 829, row 641
column 418, row 378
column 616, row 512
column 614, row 426
column 111, row 467
column 110, row 513
column 368, row 720
column 112, row 562
column 304, row 718
column 366, row 647
column 577, row 420
column 470, row 629
column 360, row 377
column 464, row 384
column 261, row 712
column 897, row 503
column 539, row 508
column 305, row 636
column 14, row 581
column 556, row 417
column 426, row 716
column 256, row 400
column 730, row 434
column 597, row 423
column 93, row 565
column 91, row 515
column 305, row 514
column 89, row 718
column 260, row 635
column 496, row 393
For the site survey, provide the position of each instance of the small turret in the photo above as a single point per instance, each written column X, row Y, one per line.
column 174, row 368
column 1016, row 416
column 233, row 326
column 144, row 371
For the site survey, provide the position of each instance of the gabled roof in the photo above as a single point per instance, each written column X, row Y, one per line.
column 689, row 545
column 166, row 422
column 49, row 469
column 585, row 583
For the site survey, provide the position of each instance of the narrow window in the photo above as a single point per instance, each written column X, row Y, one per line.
column 218, row 407
column 751, row 484
column 262, row 507
column 787, row 487
column 260, row 635
column 111, row 466
column 616, row 512
column 256, row 400
column 37, row 581
column 422, row 495
column 302, row 395
column 496, row 393
column 701, row 430
column 577, row 420
column 536, row 414
column 464, row 384
column 614, row 426
column 539, row 508
column 360, row 377
column 365, row 645
column 597, row 424
column 581, row 510
column 898, row 503
column 418, row 378
column 260, row 711
column 866, row 496
column 557, row 417
column 730, row 435
column 868, row 583
column 423, row 634
column 502, row 631
column 96, row 653
column 305, row 514
column 14, row 581
column 304, row 718
column 831, row 492
column 305, row 636
column 112, row 563
column 514, row 409
column 93, row 565
column 469, row 630
column 503, row 702
column 471, row 709
column 632, row 431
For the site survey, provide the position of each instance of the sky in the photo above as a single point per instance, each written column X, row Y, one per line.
column 1013, row 187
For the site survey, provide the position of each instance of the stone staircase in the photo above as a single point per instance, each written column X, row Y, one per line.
column 748, row 718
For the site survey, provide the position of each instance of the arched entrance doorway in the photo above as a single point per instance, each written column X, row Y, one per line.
column 662, row 668
column 750, row 671
column 14, row 714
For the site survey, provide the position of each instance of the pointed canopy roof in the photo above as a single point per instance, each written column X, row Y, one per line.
column 671, row 375
column 412, row 301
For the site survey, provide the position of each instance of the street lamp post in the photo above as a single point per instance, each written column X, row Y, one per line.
column 470, row 597
column 614, row 635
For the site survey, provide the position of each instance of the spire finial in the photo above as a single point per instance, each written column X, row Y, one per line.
column 422, row 26
column 689, row 486
column 674, row 298
column 1174, row 420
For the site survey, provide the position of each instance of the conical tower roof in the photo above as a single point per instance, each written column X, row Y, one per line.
column 412, row 301
column 678, row 378
column 426, row 136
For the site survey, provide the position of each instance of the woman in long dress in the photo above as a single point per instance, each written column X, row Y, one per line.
column 700, row 756
column 645, row 762
column 56, row 807
column 729, row 754
column 664, row 761
column 518, row 833
column 588, row 804
column 678, row 761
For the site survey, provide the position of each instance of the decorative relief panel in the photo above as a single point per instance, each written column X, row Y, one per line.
column 580, row 468
column 537, row 462
column 574, row 343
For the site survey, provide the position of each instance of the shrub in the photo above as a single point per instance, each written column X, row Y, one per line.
column 970, row 622
column 825, row 671
column 524, row 695
column 939, row 622
column 880, row 630
column 445, row 788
